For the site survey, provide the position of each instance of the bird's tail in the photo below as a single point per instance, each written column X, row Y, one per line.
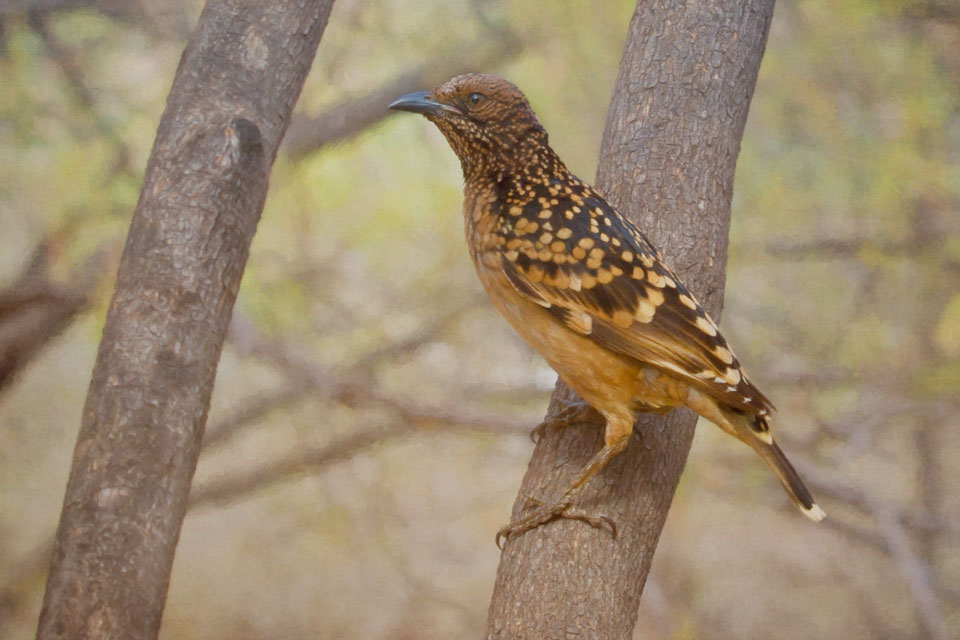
column 762, row 442
column 753, row 430
column 790, row 479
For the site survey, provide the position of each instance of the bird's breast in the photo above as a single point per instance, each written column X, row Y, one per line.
column 611, row 383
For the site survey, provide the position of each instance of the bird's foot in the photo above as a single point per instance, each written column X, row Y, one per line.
column 576, row 413
column 545, row 513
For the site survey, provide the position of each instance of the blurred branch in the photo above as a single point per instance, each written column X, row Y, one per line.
column 927, row 233
column 230, row 488
column 34, row 309
column 838, row 248
column 346, row 120
column 243, row 336
column 842, row 248
column 397, row 348
column 915, row 572
column 884, row 539
column 166, row 20
column 877, row 408
column 811, row 378
column 891, row 539
column 930, row 477
column 944, row 11
column 506, row 394
column 249, row 412
column 817, row 479
column 851, row 495
column 18, row 586
column 352, row 388
column 16, row 6
column 301, row 461
column 74, row 76
column 63, row 57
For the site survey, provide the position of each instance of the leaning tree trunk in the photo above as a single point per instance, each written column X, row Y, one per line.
column 668, row 157
column 140, row 433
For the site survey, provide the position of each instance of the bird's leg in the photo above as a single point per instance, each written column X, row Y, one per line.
column 574, row 413
column 615, row 440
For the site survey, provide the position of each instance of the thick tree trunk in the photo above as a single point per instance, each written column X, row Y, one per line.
column 202, row 196
column 668, row 157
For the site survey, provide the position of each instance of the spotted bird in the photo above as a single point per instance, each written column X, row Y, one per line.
column 586, row 289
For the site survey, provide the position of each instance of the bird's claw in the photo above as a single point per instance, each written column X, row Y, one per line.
column 534, row 500
column 562, row 509
column 576, row 413
column 602, row 522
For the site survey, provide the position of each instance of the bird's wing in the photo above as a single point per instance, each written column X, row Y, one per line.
column 593, row 269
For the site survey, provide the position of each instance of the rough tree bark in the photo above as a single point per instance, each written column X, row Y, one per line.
column 668, row 156
column 202, row 196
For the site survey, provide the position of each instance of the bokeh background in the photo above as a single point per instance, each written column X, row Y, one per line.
column 369, row 426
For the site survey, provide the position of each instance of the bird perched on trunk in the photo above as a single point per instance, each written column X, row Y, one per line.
column 586, row 289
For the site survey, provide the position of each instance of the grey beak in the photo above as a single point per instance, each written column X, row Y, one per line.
column 420, row 102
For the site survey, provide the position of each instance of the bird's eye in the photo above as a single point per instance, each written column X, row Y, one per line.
column 476, row 98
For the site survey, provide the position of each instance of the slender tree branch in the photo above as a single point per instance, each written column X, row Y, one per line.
column 253, row 409
column 250, row 341
column 398, row 348
column 915, row 573
column 12, row 6
column 74, row 76
column 860, row 499
column 346, row 120
column 863, row 535
column 229, row 488
column 64, row 58
column 892, row 521
column 310, row 460
column 352, row 388
column 34, row 310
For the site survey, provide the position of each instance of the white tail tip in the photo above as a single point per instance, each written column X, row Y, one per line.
column 815, row 513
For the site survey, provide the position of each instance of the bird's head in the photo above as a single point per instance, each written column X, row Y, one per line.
column 487, row 121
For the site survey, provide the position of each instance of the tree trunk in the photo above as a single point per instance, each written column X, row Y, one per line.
column 140, row 433
column 667, row 160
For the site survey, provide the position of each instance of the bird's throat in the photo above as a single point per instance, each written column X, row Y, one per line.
column 524, row 170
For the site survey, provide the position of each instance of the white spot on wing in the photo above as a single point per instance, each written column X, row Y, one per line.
column 706, row 326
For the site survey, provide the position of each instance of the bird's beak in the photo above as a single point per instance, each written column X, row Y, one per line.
column 420, row 102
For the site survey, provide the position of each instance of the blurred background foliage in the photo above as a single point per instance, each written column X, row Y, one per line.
column 369, row 426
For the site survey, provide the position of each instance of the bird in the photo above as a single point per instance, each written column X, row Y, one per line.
column 583, row 286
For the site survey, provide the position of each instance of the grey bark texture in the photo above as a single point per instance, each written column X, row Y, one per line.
column 189, row 238
column 667, row 161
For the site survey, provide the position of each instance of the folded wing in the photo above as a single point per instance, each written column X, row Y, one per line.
column 579, row 258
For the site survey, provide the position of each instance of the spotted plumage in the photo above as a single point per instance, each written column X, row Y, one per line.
column 569, row 251
column 585, row 287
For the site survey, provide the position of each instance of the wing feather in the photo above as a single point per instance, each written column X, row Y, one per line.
column 596, row 272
